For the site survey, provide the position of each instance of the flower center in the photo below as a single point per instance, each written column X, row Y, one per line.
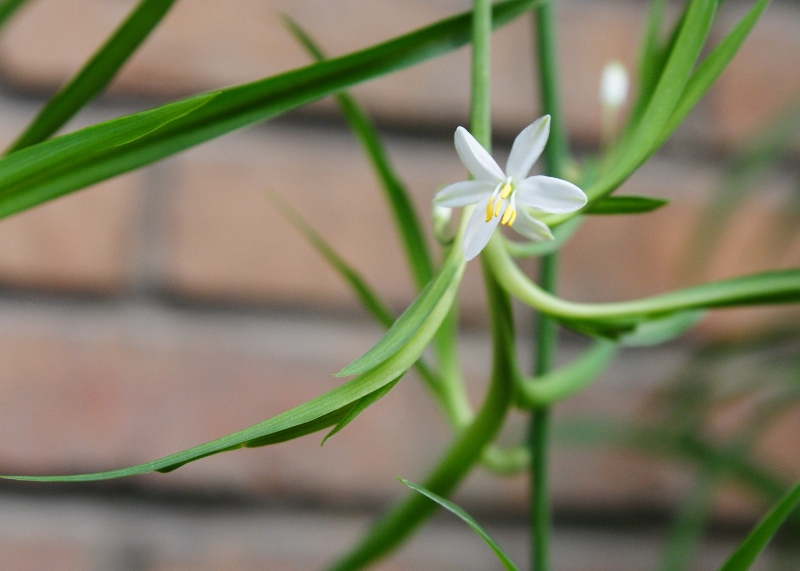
column 504, row 191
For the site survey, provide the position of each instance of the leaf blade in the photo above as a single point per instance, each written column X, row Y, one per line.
column 627, row 204
column 95, row 76
column 26, row 182
column 468, row 519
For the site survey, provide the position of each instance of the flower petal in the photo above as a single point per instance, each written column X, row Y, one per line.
column 464, row 193
column 478, row 230
column 550, row 194
column 476, row 159
column 531, row 228
column 527, row 147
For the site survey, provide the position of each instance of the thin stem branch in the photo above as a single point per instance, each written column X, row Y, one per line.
column 555, row 155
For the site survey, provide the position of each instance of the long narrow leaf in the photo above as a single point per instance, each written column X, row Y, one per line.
column 468, row 519
column 44, row 171
column 96, row 74
column 628, row 204
column 406, row 219
column 672, row 82
column 318, row 413
column 710, row 69
column 749, row 550
column 363, row 291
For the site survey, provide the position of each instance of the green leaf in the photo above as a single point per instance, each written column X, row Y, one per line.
column 366, row 295
column 627, row 204
column 651, row 59
column 709, row 70
column 358, row 407
column 466, row 518
column 318, row 413
column 407, row 325
column 658, row 331
column 8, row 8
column 566, row 381
column 406, row 219
column 748, row 551
column 96, row 74
column 44, row 171
column 641, row 144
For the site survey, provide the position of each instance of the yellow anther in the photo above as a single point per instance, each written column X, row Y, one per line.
column 497, row 207
column 513, row 217
column 507, row 215
column 506, row 191
column 489, row 208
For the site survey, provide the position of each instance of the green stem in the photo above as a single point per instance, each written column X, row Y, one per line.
column 401, row 521
column 555, row 155
column 481, row 110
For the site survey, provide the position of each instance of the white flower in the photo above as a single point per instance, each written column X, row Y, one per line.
column 497, row 194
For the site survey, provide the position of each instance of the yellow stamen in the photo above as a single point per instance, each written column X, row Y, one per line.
column 505, row 192
column 497, row 208
column 513, row 217
column 489, row 208
column 507, row 215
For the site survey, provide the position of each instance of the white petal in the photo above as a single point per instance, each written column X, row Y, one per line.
column 531, row 228
column 463, row 193
column 476, row 159
column 478, row 230
column 550, row 194
column 528, row 145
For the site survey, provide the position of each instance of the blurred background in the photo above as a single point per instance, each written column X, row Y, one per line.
column 174, row 305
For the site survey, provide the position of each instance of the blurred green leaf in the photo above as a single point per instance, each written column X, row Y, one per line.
column 47, row 170
column 566, row 381
column 366, row 295
column 96, row 74
column 8, row 8
column 466, row 518
column 749, row 550
column 627, row 204
column 658, row 331
column 405, row 216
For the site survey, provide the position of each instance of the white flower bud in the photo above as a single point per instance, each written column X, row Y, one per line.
column 614, row 85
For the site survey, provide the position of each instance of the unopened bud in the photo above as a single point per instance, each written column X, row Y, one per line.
column 614, row 85
column 441, row 224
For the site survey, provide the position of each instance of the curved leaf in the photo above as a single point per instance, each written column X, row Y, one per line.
column 408, row 323
column 43, row 172
column 96, row 74
column 748, row 551
column 466, row 518
column 318, row 413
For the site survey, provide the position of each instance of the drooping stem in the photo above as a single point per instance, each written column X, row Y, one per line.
column 481, row 111
column 555, row 155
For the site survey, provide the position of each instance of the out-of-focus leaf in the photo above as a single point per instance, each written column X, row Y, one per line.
column 8, row 8
column 627, row 204
column 750, row 548
column 405, row 216
column 658, row 331
column 366, row 295
column 566, row 381
column 96, row 74
column 468, row 519
column 47, row 170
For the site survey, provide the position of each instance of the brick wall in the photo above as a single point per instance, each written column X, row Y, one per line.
column 173, row 305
